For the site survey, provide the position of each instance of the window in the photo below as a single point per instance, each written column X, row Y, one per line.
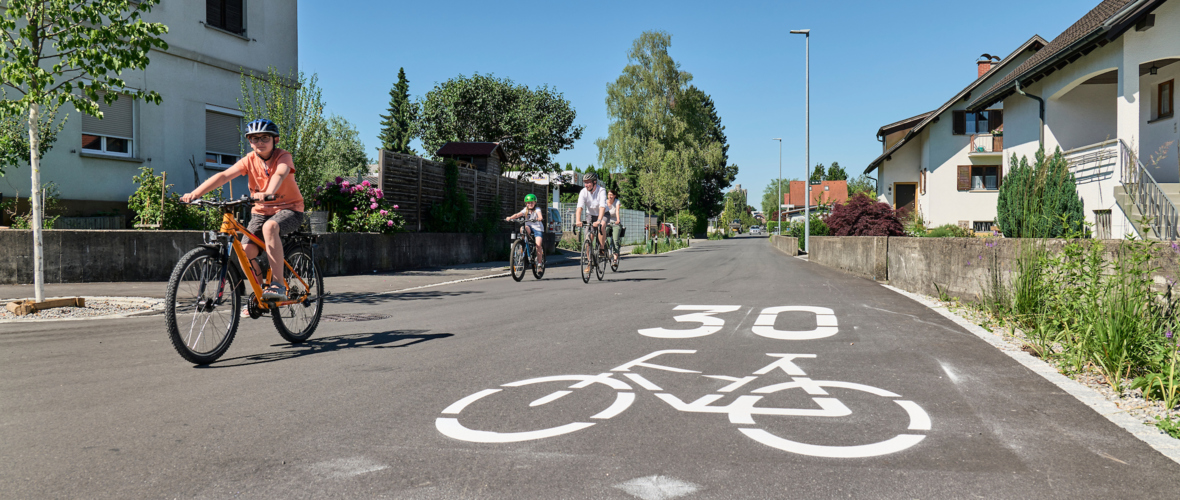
column 226, row 15
column 114, row 132
column 982, row 122
column 985, row 178
column 223, row 139
column 983, row 226
column 1165, row 106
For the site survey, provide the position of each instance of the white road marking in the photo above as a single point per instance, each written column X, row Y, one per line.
column 643, row 362
column 825, row 321
column 658, row 488
column 893, row 445
column 622, row 402
column 347, row 467
column 549, row 398
column 451, row 427
column 643, row 382
column 709, row 324
column 919, row 420
column 459, row 405
column 785, row 364
column 737, row 382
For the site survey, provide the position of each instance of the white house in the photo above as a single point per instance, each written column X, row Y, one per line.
column 198, row 77
column 1105, row 89
column 946, row 164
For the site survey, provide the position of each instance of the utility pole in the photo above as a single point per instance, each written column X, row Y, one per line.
column 779, row 228
column 807, row 134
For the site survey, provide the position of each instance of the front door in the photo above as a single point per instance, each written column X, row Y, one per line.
column 905, row 196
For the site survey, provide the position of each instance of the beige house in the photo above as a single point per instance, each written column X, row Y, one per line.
column 195, row 131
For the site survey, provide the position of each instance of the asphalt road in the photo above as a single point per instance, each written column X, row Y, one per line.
column 846, row 390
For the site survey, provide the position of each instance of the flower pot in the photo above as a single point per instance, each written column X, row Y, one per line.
column 317, row 221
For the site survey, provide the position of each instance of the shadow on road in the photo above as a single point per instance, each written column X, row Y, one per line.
column 377, row 298
column 383, row 340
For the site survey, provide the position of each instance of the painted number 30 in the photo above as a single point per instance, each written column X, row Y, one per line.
column 825, row 323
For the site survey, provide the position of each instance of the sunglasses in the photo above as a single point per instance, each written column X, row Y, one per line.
column 259, row 139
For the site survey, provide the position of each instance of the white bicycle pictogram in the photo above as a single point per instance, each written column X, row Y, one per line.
column 741, row 411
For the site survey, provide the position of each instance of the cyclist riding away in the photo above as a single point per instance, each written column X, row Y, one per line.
column 268, row 170
column 593, row 199
column 614, row 218
column 532, row 215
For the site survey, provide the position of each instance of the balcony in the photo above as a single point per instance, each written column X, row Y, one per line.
column 986, row 145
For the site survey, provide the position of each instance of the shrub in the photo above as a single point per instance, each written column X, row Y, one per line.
column 146, row 203
column 50, row 204
column 1040, row 200
column 358, row 208
column 818, row 228
column 861, row 216
column 950, row 231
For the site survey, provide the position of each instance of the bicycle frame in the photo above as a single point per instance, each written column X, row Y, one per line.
column 231, row 227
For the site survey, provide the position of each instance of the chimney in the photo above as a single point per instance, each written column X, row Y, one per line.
column 984, row 64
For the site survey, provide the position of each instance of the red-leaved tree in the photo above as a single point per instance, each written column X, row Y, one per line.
column 862, row 216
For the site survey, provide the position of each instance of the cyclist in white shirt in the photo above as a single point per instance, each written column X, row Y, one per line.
column 593, row 200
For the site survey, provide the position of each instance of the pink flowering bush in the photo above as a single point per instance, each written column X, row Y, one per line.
column 357, row 208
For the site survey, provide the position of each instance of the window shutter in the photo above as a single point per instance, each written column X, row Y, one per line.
column 999, row 175
column 233, row 16
column 116, row 120
column 213, row 12
column 964, row 177
column 995, row 119
column 221, row 133
column 959, row 122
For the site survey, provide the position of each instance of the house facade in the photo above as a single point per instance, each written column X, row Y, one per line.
column 1105, row 89
column 195, row 131
column 946, row 164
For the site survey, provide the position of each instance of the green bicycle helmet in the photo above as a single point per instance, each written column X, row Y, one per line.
column 530, row 197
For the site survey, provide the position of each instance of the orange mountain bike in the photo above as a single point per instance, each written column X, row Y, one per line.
column 207, row 286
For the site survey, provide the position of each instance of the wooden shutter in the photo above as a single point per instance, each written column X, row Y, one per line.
column 999, row 175
column 234, row 17
column 213, row 13
column 959, row 122
column 116, row 120
column 964, row 177
column 995, row 119
column 221, row 133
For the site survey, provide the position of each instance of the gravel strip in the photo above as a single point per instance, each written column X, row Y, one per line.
column 96, row 308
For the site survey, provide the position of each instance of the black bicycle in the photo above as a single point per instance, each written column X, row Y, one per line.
column 524, row 253
column 612, row 248
column 593, row 258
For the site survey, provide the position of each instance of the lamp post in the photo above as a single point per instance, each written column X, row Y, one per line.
column 779, row 228
column 807, row 134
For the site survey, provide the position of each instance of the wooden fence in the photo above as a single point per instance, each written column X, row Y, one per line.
column 414, row 183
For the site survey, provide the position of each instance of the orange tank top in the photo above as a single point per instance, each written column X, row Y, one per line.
column 259, row 172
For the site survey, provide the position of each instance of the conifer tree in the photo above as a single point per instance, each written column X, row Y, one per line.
column 1040, row 200
column 397, row 125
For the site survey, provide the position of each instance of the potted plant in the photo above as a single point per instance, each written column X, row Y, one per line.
column 359, row 208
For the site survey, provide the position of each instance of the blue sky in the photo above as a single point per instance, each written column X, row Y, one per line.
column 872, row 62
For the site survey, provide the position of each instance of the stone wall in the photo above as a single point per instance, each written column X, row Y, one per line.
column 98, row 256
column 864, row 256
column 786, row 244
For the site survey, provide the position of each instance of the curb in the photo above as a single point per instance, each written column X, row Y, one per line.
column 155, row 308
column 1152, row 436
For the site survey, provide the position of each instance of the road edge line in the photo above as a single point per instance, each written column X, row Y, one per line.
column 1152, row 436
column 452, row 282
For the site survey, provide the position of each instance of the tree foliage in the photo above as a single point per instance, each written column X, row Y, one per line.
column 14, row 135
column 397, row 124
column 818, row 173
column 665, row 137
column 454, row 213
column 770, row 195
column 836, row 173
column 344, row 153
column 862, row 184
column 1040, row 200
column 531, row 125
column 862, row 216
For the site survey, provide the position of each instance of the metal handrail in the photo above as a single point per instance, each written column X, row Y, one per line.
column 1157, row 210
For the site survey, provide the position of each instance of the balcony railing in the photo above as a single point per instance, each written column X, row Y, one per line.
column 1093, row 163
column 986, row 144
column 1156, row 209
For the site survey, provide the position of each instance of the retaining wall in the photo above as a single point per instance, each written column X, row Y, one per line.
column 865, row 256
column 786, row 244
column 98, row 256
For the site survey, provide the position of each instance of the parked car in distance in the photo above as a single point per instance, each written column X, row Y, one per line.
column 755, row 229
column 553, row 223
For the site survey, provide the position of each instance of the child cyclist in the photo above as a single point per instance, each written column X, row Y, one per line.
column 268, row 170
column 532, row 215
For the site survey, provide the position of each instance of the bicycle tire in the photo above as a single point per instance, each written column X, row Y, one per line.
column 586, row 261
column 196, row 276
column 295, row 322
column 613, row 256
column 518, row 260
column 600, row 263
column 538, row 264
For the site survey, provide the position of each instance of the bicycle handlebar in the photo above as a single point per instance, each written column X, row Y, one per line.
column 244, row 200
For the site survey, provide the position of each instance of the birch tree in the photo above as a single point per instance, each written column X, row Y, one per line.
column 55, row 52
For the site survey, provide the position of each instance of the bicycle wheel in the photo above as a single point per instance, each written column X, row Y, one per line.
column 538, row 264
column 587, row 260
column 450, row 426
column 600, row 260
column 613, row 256
column 518, row 259
column 296, row 322
column 201, row 314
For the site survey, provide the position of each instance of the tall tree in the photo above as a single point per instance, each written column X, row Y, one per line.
column 712, row 178
column 397, row 125
column 836, row 173
column 295, row 103
column 770, row 195
column 344, row 152
column 71, row 51
column 531, row 125
column 818, row 174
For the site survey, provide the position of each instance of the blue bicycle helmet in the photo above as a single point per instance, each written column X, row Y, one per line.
column 262, row 126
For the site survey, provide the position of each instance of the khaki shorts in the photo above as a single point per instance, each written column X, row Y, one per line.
column 288, row 220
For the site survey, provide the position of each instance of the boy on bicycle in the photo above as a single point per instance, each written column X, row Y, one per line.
column 593, row 199
column 533, row 216
column 268, row 170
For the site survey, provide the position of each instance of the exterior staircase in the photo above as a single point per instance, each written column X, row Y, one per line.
column 1149, row 205
column 1171, row 191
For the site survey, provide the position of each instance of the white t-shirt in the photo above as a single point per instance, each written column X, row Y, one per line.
column 591, row 201
column 613, row 212
column 533, row 220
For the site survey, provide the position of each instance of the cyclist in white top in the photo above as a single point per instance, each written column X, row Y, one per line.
column 614, row 214
column 532, row 214
column 593, row 200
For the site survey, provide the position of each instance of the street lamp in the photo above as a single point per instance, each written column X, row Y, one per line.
column 807, row 134
column 779, row 228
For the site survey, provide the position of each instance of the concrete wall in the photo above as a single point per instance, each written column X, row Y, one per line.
column 93, row 256
column 864, row 256
column 786, row 244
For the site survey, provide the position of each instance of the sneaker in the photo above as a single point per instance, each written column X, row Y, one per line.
column 275, row 292
column 245, row 312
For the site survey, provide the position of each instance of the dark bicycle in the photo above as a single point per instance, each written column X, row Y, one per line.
column 593, row 258
column 612, row 247
column 524, row 253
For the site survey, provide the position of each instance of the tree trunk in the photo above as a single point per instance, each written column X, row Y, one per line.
column 35, row 198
